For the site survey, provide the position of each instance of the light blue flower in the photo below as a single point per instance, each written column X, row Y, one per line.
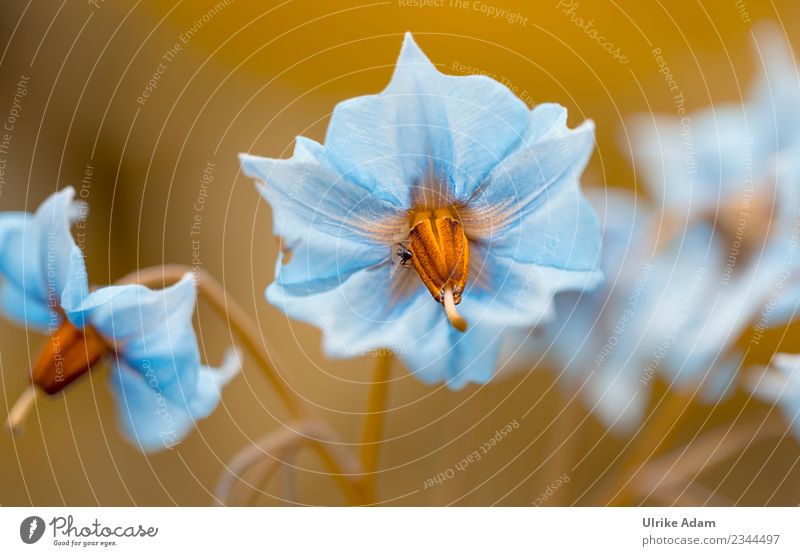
column 780, row 384
column 722, row 158
column 757, row 279
column 160, row 386
column 735, row 167
column 459, row 153
column 644, row 321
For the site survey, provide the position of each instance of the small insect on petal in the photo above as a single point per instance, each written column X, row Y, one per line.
column 68, row 354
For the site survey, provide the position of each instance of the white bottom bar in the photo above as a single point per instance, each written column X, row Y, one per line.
column 401, row 531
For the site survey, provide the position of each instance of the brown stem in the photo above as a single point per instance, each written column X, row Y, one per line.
column 236, row 317
column 563, row 440
column 269, row 453
column 682, row 465
column 657, row 432
column 374, row 420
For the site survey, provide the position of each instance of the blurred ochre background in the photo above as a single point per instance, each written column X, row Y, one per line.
column 251, row 78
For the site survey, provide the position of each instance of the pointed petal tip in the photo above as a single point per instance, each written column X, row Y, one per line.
column 248, row 162
column 411, row 53
column 408, row 41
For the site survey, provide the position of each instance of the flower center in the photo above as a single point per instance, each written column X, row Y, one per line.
column 440, row 255
column 747, row 220
column 68, row 354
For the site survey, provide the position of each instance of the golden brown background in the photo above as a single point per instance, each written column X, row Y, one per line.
column 251, row 79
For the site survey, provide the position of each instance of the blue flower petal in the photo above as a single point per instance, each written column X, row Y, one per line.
column 532, row 198
column 332, row 226
column 678, row 306
column 19, row 308
column 549, row 152
column 718, row 384
column 564, row 233
column 308, row 190
column 786, row 306
column 356, row 321
column 320, row 262
column 502, row 290
column 617, row 397
column 457, row 358
column 35, row 254
column 359, row 316
column 776, row 273
column 423, row 123
column 693, row 165
column 777, row 92
column 755, row 291
column 151, row 330
column 715, row 156
column 595, row 335
column 153, row 420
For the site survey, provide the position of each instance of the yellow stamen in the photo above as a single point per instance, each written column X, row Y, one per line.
column 22, row 407
column 452, row 313
column 440, row 255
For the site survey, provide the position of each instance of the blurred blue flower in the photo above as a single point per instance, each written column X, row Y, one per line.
column 643, row 322
column 756, row 280
column 780, row 384
column 441, row 191
column 159, row 384
column 734, row 169
column 776, row 93
column 722, row 158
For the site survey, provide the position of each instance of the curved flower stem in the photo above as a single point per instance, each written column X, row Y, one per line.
column 682, row 465
column 373, row 421
column 654, row 435
column 241, row 323
column 267, row 455
column 228, row 309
